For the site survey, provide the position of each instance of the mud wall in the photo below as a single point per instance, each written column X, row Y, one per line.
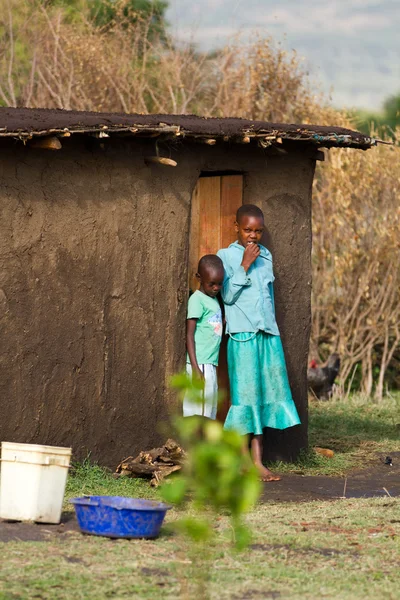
column 93, row 259
column 284, row 192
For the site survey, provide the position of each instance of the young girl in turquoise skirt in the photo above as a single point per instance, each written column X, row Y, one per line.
column 259, row 386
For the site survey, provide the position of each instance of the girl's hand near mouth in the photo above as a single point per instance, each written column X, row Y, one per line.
column 250, row 255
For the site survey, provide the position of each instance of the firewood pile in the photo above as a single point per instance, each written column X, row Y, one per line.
column 155, row 464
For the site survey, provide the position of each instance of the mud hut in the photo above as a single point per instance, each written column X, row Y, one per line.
column 100, row 236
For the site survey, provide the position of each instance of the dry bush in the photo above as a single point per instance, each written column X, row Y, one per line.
column 356, row 261
column 78, row 65
column 47, row 60
column 64, row 64
column 262, row 81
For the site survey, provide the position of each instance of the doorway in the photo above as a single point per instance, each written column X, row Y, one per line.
column 215, row 201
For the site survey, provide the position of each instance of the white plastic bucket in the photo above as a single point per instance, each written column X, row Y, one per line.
column 33, row 482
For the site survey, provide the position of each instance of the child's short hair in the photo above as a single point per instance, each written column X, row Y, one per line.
column 249, row 210
column 210, row 261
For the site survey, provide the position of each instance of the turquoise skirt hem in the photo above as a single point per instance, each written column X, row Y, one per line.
column 259, row 385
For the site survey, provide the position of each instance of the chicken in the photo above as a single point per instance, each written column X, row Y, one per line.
column 321, row 379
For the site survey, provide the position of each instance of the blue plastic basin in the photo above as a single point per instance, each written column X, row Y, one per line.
column 116, row 517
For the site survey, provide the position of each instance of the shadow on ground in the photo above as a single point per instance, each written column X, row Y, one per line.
column 11, row 531
column 377, row 480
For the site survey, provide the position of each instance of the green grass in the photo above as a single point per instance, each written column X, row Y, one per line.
column 355, row 429
column 87, row 479
column 344, row 549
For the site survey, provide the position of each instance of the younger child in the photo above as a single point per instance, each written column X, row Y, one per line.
column 203, row 335
column 260, row 392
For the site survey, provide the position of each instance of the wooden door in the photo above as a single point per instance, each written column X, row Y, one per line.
column 214, row 204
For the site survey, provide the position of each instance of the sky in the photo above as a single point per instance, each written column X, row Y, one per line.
column 351, row 48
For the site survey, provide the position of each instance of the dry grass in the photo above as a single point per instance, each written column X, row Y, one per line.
column 344, row 549
column 48, row 59
column 356, row 284
column 334, row 550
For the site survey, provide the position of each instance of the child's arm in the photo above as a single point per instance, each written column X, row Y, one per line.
column 233, row 286
column 236, row 280
column 191, row 347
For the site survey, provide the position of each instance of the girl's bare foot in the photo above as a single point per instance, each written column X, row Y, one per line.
column 267, row 475
column 256, row 453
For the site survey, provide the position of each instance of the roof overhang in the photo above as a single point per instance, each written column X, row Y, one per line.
column 27, row 123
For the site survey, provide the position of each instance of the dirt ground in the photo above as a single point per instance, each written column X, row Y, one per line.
column 378, row 480
column 37, row 532
column 370, row 482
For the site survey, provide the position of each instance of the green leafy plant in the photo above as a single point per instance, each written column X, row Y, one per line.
column 218, row 476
